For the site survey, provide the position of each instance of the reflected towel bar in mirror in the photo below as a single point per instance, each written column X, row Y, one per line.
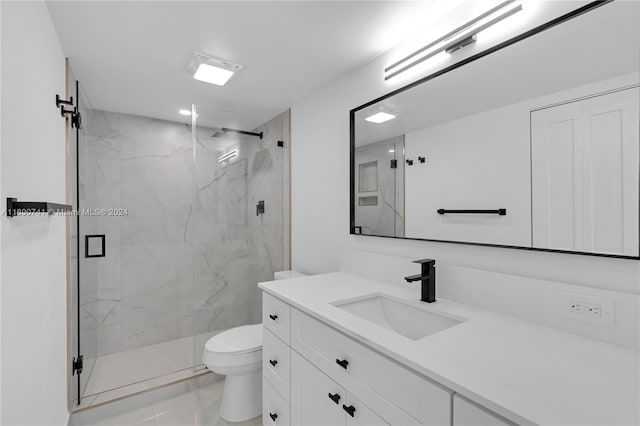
column 500, row 212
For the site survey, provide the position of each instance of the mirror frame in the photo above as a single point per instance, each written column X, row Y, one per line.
column 352, row 130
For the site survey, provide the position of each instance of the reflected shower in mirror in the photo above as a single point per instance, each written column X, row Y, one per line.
column 380, row 187
column 534, row 145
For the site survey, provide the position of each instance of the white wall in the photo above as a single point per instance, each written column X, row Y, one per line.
column 33, row 250
column 320, row 189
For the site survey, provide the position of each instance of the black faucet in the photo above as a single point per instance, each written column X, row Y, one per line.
column 428, row 278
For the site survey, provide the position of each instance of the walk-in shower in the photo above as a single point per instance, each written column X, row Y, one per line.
column 170, row 241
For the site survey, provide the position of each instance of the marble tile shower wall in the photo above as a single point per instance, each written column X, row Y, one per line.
column 144, row 288
column 234, row 247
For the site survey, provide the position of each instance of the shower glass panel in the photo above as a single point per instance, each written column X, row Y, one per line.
column 136, row 297
column 236, row 244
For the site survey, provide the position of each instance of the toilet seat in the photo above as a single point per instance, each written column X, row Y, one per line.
column 236, row 341
column 237, row 349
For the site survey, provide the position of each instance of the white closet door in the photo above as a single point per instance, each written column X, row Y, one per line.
column 585, row 175
column 610, row 162
column 556, row 176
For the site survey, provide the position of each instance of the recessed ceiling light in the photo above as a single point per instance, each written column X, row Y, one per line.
column 211, row 70
column 184, row 112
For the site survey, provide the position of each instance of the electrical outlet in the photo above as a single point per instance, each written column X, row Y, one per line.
column 596, row 310
column 584, row 308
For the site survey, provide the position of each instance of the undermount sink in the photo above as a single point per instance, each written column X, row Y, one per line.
column 398, row 316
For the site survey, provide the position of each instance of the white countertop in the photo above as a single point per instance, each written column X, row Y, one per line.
column 528, row 373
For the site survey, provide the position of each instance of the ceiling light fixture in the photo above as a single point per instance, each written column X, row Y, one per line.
column 228, row 156
column 184, row 112
column 211, row 70
column 455, row 40
column 380, row 115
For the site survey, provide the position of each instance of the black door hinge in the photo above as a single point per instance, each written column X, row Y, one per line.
column 76, row 365
column 394, row 164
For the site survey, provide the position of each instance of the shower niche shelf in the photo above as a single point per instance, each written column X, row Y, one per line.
column 29, row 207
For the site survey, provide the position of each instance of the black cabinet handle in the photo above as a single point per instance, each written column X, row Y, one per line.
column 350, row 409
column 273, row 362
column 273, row 317
column 342, row 363
column 334, row 397
column 274, row 416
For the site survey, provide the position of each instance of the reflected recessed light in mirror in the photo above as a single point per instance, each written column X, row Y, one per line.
column 184, row 112
column 380, row 117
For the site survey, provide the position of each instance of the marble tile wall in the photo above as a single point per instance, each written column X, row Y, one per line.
column 234, row 247
column 141, row 292
column 188, row 254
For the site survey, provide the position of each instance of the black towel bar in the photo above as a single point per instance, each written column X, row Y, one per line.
column 501, row 212
column 14, row 207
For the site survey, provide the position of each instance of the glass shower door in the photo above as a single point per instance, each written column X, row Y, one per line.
column 240, row 220
column 84, row 275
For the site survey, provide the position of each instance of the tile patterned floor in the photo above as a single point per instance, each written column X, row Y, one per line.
column 195, row 402
column 117, row 370
column 125, row 373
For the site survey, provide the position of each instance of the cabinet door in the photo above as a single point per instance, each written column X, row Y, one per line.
column 359, row 414
column 466, row 413
column 311, row 396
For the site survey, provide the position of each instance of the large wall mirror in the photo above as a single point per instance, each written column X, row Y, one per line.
column 534, row 145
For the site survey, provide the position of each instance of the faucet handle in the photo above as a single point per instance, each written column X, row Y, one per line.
column 428, row 262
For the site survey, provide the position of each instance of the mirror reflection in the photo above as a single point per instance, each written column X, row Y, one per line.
column 534, row 145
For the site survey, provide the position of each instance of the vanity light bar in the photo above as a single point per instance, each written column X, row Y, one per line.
column 455, row 40
column 228, row 156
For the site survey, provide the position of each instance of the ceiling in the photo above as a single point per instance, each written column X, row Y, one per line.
column 130, row 57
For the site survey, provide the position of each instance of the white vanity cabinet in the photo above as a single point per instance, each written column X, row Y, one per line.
column 314, row 374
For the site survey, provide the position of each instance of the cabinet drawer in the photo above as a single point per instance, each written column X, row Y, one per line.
column 276, row 316
column 377, row 380
column 276, row 363
column 275, row 410
column 466, row 413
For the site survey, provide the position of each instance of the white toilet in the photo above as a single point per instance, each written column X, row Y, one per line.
column 237, row 354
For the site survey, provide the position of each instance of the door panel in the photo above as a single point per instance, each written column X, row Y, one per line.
column 310, row 396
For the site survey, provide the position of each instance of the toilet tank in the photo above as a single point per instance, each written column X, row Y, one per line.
column 286, row 275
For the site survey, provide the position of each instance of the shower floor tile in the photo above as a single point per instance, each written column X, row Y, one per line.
column 123, row 369
column 187, row 403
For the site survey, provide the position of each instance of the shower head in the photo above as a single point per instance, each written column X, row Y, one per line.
column 223, row 131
